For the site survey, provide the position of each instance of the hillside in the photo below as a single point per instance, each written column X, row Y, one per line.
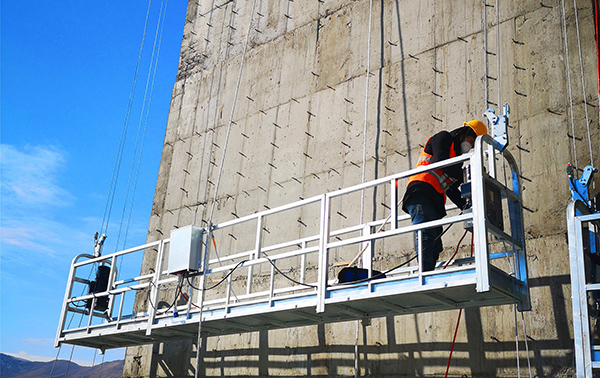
column 12, row 367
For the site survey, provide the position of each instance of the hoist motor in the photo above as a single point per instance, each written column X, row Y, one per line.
column 99, row 285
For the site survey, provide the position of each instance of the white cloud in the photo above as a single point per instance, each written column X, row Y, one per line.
column 33, row 341
column 26, row 356
column 30, row 175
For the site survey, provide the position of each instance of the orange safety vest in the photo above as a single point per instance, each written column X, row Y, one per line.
column 436, row 178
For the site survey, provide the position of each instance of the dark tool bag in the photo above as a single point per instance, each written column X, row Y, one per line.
column 351, row 274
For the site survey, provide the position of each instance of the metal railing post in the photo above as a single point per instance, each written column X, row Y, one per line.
column 68, row 291
column 480, row 237
column 394, row 204
column 257, row 248
column 153, row 299
column 581, row 326
column 323, row 253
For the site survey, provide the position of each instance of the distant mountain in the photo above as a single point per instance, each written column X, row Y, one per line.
column 13, row 367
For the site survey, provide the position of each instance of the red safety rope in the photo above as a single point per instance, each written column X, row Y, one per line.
column 460, row 312
column 597, row 55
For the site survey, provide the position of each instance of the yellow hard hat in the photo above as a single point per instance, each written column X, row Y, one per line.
column 477, row 126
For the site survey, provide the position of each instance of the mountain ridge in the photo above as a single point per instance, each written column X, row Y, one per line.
column 15, row 367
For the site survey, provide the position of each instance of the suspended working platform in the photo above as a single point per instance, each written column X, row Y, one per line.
column 281, row 283
column 584, row 247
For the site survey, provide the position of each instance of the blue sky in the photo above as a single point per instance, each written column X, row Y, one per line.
column 67, row 69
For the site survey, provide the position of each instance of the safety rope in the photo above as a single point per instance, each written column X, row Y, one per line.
column 143, row 123
column 564, row 24
column 461, row 310
column 117, row 167
column 597, row 60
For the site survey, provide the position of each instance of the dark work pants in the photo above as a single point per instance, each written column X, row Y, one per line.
column 422, row 211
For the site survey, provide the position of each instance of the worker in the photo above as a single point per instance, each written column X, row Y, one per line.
column 426, row 192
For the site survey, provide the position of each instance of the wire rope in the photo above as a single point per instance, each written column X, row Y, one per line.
column 117, row 166
column 498, row 50
column 485, row 57
column 101, row 365
column 364, row 162
column 237, row 88
column 565, row 39
column 216, row 191
column 587, row 117
column 139, row 158
column 142, row 126
column 205, row 136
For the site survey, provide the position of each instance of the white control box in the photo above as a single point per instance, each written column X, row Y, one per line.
column 185, row 250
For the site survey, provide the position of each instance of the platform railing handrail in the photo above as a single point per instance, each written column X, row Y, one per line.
column 257, row 255
column 577, row 214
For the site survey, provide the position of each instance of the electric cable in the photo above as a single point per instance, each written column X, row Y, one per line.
column 218, row 283
column 400, row 265
column 177, row 291
column 286, row 276
column 188, row 299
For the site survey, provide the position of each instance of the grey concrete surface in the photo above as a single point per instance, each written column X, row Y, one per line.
column 297, row 131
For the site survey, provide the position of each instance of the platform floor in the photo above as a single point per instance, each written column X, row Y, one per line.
column 395, row 295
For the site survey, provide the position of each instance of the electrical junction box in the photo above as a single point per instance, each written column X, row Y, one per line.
column 185, row 250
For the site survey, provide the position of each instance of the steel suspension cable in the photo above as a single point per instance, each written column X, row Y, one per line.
column 498, row 51
column 587, row 117
column 148, row 92
column 117, row 167
column 237, row 88
column 485, row 57
column 364, row 163
column 565, row 39
column 214, row 201
column 205, row 138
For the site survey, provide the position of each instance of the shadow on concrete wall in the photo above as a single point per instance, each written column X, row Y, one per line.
column 482, row 355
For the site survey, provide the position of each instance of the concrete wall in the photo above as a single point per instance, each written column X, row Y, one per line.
column 297, row 131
